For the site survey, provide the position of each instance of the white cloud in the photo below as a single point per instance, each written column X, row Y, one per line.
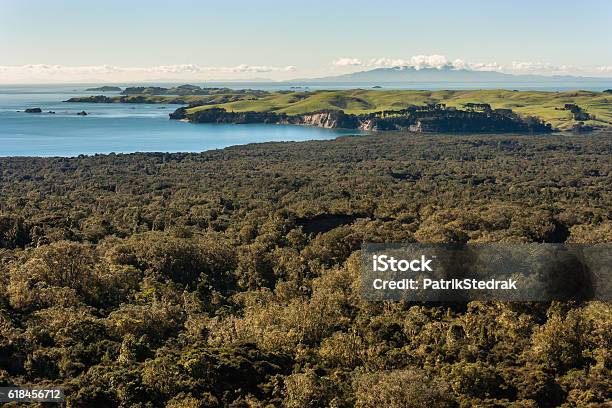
column 54, row 73
column 532, row 67
column 428, row 61
column 605, row 69
column 251, row 68
column 387, row 62
column 347, row 62
column 546, row 68
column 477, row 66
column 417, row 62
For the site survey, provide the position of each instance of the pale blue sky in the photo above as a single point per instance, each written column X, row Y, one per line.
column 306, row 35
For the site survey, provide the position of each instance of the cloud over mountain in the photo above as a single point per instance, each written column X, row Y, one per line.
column 440, row 61
column 347, row 62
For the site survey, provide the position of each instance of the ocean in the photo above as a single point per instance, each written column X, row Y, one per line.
column 119, row 128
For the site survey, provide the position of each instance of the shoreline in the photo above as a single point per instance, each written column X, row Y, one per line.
column 410, row 136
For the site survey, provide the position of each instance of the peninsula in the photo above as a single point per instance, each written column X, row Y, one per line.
column 371, row 109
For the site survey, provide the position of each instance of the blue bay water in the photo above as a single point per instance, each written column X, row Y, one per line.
column 119, row 128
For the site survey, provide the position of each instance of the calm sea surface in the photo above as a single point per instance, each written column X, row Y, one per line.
column 119, row 128
column 127, row 128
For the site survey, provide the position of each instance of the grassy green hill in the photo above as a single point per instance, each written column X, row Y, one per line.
column 548, row 106
column 545, row 105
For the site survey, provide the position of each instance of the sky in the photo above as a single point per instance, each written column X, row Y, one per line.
column 134, row 40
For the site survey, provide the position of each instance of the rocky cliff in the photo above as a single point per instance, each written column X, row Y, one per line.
column 331, row 119
column 220, row 115
column 417, row 119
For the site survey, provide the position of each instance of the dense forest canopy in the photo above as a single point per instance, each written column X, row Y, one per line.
column 231, row 277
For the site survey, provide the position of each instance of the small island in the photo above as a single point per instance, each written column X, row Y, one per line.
column 104, row 89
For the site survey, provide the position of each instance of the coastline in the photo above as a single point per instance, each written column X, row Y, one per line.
column 478, row 111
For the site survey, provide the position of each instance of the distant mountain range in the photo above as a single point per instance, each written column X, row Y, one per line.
column 445, row 74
